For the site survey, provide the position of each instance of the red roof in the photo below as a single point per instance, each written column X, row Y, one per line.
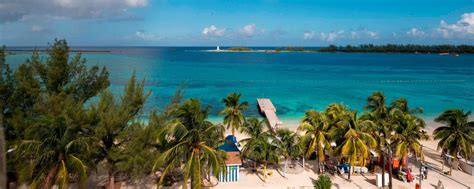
column 233, row 158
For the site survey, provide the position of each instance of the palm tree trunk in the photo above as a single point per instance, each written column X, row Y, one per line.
column 442, row 165
column 349, row 175
column 111, row 181
column 303, row 162
column 319, row 164
column 383, row 169
column 48, row 181
column 265, row 170
column 185, row 182
column 451, row 167
column 196, row 180
column 405, row 161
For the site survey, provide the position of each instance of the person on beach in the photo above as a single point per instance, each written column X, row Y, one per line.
column 425, row 172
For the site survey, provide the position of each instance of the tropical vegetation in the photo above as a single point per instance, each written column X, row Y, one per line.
column 63, row 126
column 456, row 136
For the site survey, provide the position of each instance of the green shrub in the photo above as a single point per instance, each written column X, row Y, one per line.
column 323, row 182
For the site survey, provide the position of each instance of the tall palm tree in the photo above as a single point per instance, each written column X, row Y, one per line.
column 57, row 150
column 381, row 130
column 233, row 111
column 457, row 135
column 191, row 145
column 356, row 144
column 288, row 143
column 316, row 134
column 378, row 113
column 407, row 136
column 263, row 151
column 256, row 130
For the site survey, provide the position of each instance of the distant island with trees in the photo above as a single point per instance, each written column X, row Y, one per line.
column 367, row 48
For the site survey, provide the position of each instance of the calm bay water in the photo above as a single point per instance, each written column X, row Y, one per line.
column 295, row 81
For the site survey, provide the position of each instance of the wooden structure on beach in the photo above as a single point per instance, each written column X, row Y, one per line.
column 266, row 108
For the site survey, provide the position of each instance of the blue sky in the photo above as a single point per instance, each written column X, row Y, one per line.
column 236, row 22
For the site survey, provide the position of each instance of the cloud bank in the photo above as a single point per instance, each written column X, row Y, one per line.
column 15, row 10
column 464, row 27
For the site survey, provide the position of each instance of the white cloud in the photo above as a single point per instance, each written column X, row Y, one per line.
column 308, row 35
column 248, row 30
column 15, row 10
column 331, row 36
column 462, row 28
column 372, row 34
column 144, row 36
column 354, row 35
column 364, row 33
column 414, row 32
column 213, row 31
column 36, row 28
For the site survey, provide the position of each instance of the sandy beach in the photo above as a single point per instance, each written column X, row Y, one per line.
column 305, row 178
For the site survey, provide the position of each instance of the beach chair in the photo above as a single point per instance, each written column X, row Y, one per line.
column 356, row 169
column 341, row 170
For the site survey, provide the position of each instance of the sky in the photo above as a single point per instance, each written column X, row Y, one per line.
column 235, row 22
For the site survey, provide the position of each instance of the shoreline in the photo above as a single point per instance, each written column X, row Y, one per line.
column 292, row 123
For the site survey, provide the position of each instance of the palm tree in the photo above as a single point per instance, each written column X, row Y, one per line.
column 457, row 135
column 378, row 113
column 401, row 104
column 254, row 128
column 407, row 136
column 191, row 144
column 356, row 144
column 288, row 143
column 316, row 135
column 263, row 151
column 57, row 150
column 334, row 113
column 376, row 104
column 233, row 111
column 381, row 130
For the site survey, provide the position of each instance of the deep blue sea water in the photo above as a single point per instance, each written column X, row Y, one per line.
column 294, row 81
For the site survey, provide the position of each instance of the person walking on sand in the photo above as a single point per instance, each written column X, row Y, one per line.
column 425, row 172
column 422, row 171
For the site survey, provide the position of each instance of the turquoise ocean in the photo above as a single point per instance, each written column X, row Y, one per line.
column 294, row 81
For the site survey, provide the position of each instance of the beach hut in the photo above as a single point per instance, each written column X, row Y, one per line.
column 232, row 162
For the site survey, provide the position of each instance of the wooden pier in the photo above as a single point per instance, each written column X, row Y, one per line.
column 266, row 108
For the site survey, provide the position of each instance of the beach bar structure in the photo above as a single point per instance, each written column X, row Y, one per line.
column 266, row 108
column 231, row 173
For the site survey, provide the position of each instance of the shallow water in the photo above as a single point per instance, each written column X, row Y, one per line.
column 295, row 81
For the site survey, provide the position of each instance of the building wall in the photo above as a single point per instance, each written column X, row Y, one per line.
column 231, row 174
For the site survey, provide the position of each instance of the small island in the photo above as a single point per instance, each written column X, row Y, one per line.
column 239, row 49
column 453, row 50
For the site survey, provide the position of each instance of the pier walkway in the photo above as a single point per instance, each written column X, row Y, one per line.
column 266, row 107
